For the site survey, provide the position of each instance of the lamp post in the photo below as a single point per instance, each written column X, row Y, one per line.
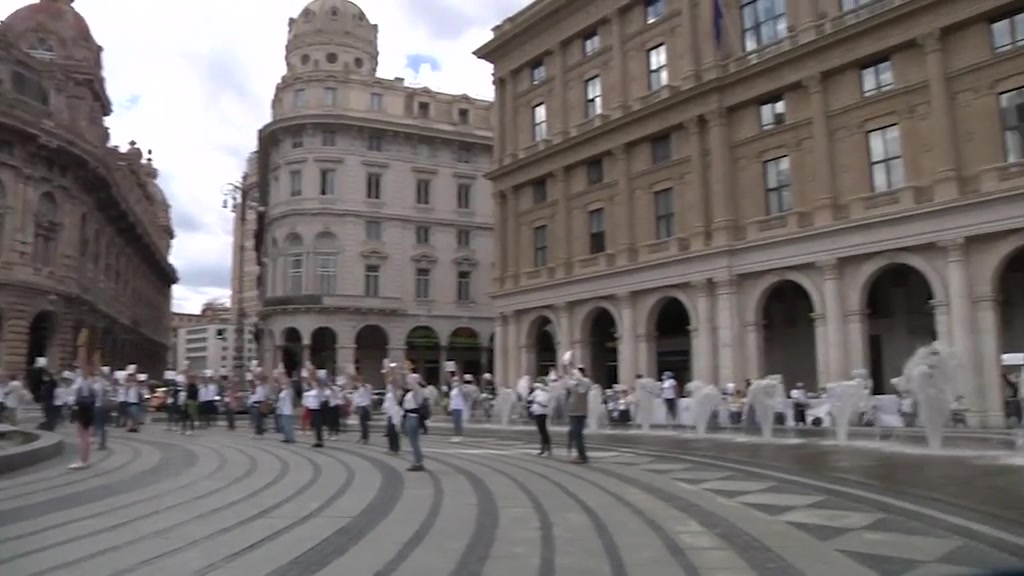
column 236, row 199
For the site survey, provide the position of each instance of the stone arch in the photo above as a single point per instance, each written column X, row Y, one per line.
column 1003, row 251
column 869, row 271
column 762, row 287
column 657, row 299
column 292, row 343
column 541, row 353
column 599, row 354
column 533, row 320
column 371, row 341
column 586, row 311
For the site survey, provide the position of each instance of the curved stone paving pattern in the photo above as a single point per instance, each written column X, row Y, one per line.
column 220, row 504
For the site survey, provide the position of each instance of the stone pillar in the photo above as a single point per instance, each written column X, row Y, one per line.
column 626, row 354
column 561, row 116
column 824, row 176
column 564, row 234
column 500, row 348
column 689, row 55
column 278, row 356
column 729, row 363
column 307, row 355
column 723, row 221
column 397, row 354
column 512, row 247
column 698, row 188
column 834, row 358
column 511, row 131
column 627, row 215
column 645, row 363
column 525, row 364
column 754, row 336
column 513, row 342
column 962, row 317
column 856, row 332
column 705, row 349
column 992, row 411
column 709, row 52
column 564, row 330
column 943, row 136
column 940, row 312
column 821, row 350
column 498, row 152
column 621, row 74
column 345, row 358
column 500, row 227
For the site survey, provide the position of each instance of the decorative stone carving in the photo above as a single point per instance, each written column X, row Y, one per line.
column 812, row 83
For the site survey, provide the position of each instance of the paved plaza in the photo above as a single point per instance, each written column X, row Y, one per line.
column 225, row 504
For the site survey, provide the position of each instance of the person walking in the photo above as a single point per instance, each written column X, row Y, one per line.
column 364, row 403
column 411, row 403
column 85, row 395
column 539, row 401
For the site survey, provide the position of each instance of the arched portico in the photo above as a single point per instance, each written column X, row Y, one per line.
column 41, row 333
column 599, row 329
column 901, row 309
column 540, row 343
column 371, row 341
column 291, row 350
column 766, row 324
column 323, row 344
column 1010, row 299
column 667, row 332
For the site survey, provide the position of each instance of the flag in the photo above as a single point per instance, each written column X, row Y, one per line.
column 718, row 21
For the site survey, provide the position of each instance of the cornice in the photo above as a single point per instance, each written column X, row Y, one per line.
column 343, row 119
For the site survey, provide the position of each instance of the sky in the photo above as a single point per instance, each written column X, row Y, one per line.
column 193, row 81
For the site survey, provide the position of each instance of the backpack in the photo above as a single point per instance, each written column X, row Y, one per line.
column 85, row 395
column 425, row 409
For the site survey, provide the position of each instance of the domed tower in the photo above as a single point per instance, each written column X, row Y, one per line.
column 332, row 35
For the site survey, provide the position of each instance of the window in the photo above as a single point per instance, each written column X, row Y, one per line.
column 464, row 286
column 463, row 115
column 463, row 237
column 848, row 5
column 423, row 192
column 540, row 246
column 540, row 122
column 326, row 273
column 328, row 139
column 886, row 158
column 423, row 109
column 592, row 90
column 299, row 98
column 423, row 235
column 330, row 97
column 373, row 186
column 327, row 178
column 374, row 231
column 376, row 102
column 295, row 274
column 778, row 198
column 664, row 215
column 538, row 73
column 657, row 67
column 464, row 155
column 595, row 171
column 1011, row 108
column 423, row 283
column 876, row 78
column 1008, row 33
column 375, row 143
column 653, row 10
column 295, row 182
column 463, row 196
column 595, row 227
column 661, row 149
column 764, row 23
column 773, row 113
column 540, row 192
column 371, row 280
column 297, row 142
column 591, row 43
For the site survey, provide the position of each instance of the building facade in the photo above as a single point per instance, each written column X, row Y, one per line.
column 818, row 187
column 206, row 341
column 245, row 265
column 84, row 228
column 376, row 239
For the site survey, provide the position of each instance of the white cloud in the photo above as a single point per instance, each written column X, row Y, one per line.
column 193, row 80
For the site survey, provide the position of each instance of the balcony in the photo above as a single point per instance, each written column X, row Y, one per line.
column 779, row 224
column 895, row 200
column 1002, row 177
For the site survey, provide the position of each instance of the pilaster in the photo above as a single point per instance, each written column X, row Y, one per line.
column 962, row 315
column 690, row 56
column 565, row 255
column 565, row 336
column 730, row 361
column 562, row 122
column 834, row 357
column 627, row 214
column 753, row 335
column 856, row 332
column 943, row 141
column 500, row 231
column 723, row 224
column 621, row 74
column 991, row 412
column 697, row 188
column 705, row 352
column 627, row 339
column 824, row 176
column 821, row 348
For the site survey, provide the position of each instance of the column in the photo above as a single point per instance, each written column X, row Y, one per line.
column 562, row 120
column 396, row 353
column 306, row 354
column 754, row 338
column 710, row 55
column 962, row 318
column 564, row 330
column 511, row 370
column 565, row 255
column 500, row 147
column 723, row 220
column 821, row 344
column 728, row 352
column 500, row 231
column 940, row 312
column 512, row 251
column 627, row 339
column 856, row 333
column 697, row 188
column 511, row 143
column 500, row 348
column 645, row 362
column 835, row 356
column 345, row 356
column 690, row 53
column 943, row 137
column 824, row 176
column 627, row 214
column 621, row 75
column 992, row 411
column 705, row 349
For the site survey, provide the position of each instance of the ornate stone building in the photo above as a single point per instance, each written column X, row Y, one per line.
column 84, row 228
column 376, row 238
column 819, row 186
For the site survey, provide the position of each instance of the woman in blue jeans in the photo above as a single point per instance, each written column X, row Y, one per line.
column 412, row 399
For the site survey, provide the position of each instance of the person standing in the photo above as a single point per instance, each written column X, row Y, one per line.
column 285, row 411
column 257, row 405
column 394, row 414
column 191, row 413
column 85, row 395
column 456, row 406
column 670, row 395
column 104, row 405
column 364, row 403
column 134, row 398
column 313, row 401
column 334, row 400
column 411, row 403
column 230, row 405
column 539, row 401
column 576, row 407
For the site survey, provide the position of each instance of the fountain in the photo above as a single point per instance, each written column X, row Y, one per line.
column 764, row 396
column 705, row 398
column 504, row 403
column 645, row 393
column 596, row 413
column 845, row 398
column 933, row 375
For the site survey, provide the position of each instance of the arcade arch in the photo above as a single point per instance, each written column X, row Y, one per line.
column 600, row 335
column 371, row 350
column 788, row 339
column 291, row 350
column 669, row 324
column 466, row 350
column 1010, row 296
column 900, row 319
column 541, row 345
column 423, row 349
column 323, row 345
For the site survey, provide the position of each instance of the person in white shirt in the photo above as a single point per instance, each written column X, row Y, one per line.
column 285, row 409
column 364, row 403
column 134, row 396
column 14, row 395
column 394, row 414
column 313, row 400
column 670, row 394
column 799, row 397
column 260, row 394
column 122, row 403
column 411, row 402
column 333, row 414
column 539, row 401
column 456, row 406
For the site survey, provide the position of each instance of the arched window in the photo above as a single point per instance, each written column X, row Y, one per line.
column 325, row 254
column 296, row 264
column 44, row 245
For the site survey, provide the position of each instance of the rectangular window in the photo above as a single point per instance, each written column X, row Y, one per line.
column 299, row 98
column 295, row 274
column 592, row 91
column 540, row 246
column 327, row 178
column 538, row 73
column 463, row 116
column 595, row 226
column 463, row 238
column 464, row 286
column 595, row 172
column 423, row 283
column 653, row 10
column 764, row 23
column 330, row 97
column 661, row 149
column 328, row 139
column 376, row 102
column 773, row 113
column 423, row 192
column 374, row 231
column 373, row 186
column 326, row 273
column 657, row 67
column 423, row 109
column 540, row 192
column 778, row 198
column 295, row 183
column 375, row 143
column 1011, row 108
column 371, row 280
column 877, row 78
column 1008, row 33
column 423, row 235
column 463, row 196
column 464, row 154
column 591, row 43
column 886, row 157
column 540, row 122
column 664, row 215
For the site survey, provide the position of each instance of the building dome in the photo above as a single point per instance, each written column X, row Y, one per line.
column 52, row 29
column 332, row 35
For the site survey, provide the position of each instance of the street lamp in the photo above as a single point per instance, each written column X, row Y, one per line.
column 236, row 199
